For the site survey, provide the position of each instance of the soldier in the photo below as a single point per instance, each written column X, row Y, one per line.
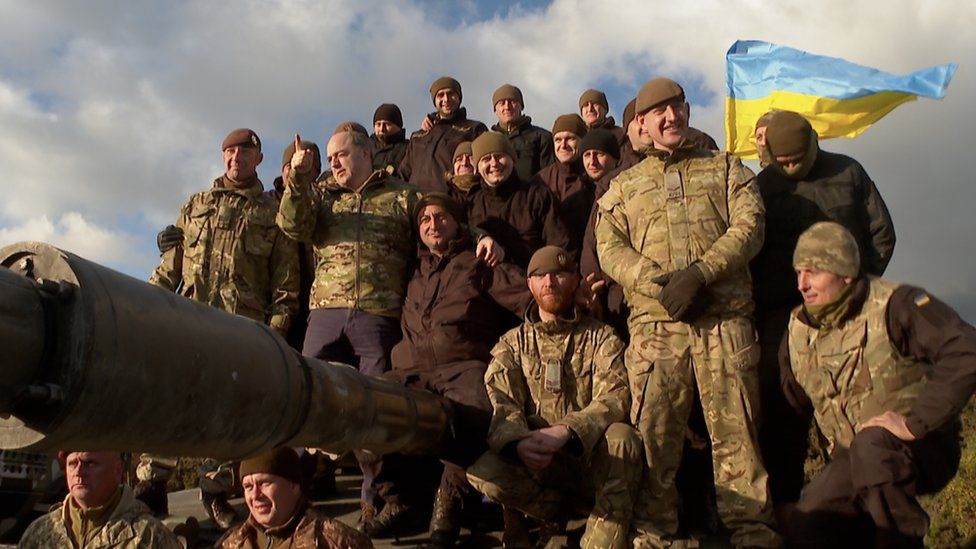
column 676, row 232
column 99, row 511
column 356, row 224
column 886, row 369
column 232, row 257
column 635, row 141
column 280, row 514
column 520, row 215
column 801, row 186
column 464, row 176
column 567, row 179
column 389, row 139
column 532, row 144
column 428, row 155
column 560, row 401
column 593, row 109
column 455, row 310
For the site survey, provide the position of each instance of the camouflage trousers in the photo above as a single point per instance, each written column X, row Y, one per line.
column 216, row 477
column 665, row 362
column 607, row 483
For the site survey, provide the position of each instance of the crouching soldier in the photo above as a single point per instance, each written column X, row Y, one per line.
column 886, row 369
column 559, row 392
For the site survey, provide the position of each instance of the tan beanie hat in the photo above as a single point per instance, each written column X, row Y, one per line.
column 491, row 142
column 828, row 246
column 571, row 123
column 657, row 91
column 283, row 462
column 595, row 96
column 507, row 91
column 444, row 82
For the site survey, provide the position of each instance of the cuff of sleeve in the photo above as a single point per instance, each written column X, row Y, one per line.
column 503, row 436
column 587, row 437
column 916, row 426
column 707, row 273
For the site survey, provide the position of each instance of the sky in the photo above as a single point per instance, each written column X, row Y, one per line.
column 112, row 113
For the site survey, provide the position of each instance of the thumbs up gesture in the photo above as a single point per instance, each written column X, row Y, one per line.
column 301, row 160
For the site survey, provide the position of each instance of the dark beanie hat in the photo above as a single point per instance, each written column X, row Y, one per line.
column 283, row 462
column 595, row 96
column 307, row 146
column 350, row 126
column 601, row 140
column 243, row 137
column 444, row 82
column 550, row 259
column 507, row 91
column 443, row 200
column 630, row 111
column 491, row 142
column 388, row 112
column 657, row 91
column 787, row 133
column 569, row 123
column 463, row 147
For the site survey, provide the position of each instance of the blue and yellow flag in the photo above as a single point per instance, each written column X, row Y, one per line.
column 839, row 98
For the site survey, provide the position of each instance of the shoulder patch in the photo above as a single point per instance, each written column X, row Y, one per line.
column 922, row 299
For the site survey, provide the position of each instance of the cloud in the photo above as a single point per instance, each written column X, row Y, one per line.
column 115, row 111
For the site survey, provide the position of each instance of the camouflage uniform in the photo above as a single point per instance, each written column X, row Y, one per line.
column 568, row 372
column 313, row 530
column 664, row 214
column 129, row 526
column 234, row 258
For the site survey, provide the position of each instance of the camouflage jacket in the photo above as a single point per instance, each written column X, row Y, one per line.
column 130, row 526
column 314, row 530
column 565, row 371
column 673, row 210
column 363, row 241
column 233, row 257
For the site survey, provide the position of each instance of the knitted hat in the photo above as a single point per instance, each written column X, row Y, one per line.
column 571, row 123
column 388, row 112
column 444, row 82
column 443, row 200
column 507, row 91
column 595, row 96
column 491, row 142
column 283, row 462
column 243, row 137
column 787, row 133
column 463, row 147
column 828, row 246
column 601, row 140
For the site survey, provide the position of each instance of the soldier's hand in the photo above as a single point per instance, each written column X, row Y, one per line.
column 588, row 292
column 301, row 161
column 427, row 124
column 894, row 423
column 490, row 251
column 682, row 296
column 533, row 452
column 169, row 238
column 663, row 279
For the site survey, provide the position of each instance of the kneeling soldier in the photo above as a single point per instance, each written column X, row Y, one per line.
column 559, row 392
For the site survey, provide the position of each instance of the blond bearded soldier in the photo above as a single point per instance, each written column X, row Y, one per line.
column 676, row 231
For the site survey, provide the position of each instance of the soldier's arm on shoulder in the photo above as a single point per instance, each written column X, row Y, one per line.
column 618, row 257
column 169, row 273
column 795, row 395
column 747, row 220
column 508, row 393
column 924, row 328
column 879, row 224
column 611, row 393
column 298, row 211
column 506, row 285
column 285, row 281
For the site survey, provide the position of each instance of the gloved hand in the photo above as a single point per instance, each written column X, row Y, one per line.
column 682, row 294
column 169, row 238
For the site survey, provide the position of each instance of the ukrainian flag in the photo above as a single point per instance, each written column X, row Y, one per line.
column 839, row 98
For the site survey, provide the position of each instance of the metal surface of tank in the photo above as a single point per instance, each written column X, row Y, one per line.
column 94, row 359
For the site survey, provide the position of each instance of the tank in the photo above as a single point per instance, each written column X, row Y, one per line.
column 97, row 360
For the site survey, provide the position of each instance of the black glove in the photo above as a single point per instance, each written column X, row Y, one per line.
column 169, row 238
column 682, row 294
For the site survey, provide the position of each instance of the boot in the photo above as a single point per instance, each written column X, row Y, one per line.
column 219, row 510
column 445, row 522
column 153, row 494
column 516, row 532
column 367, row 512
column 388, row 522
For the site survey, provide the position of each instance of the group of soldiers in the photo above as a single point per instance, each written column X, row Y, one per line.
column 574, row 296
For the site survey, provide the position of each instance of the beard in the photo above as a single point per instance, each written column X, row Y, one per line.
column 554, row 304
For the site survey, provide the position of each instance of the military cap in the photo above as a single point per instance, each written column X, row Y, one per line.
column 828, row 246
column 763, row 120
column 629, row 113
column 388, row 112
column 463, row 147
column 656, row 92
column 444, row 82
column 306, row 146
column 550, row 259
column 571, row 123
column 595, row 96
column 787, row 133
column 350, row 126
column 507, row 91
column 443, row 200
column 491, row 142
column 601, row 140
column 243, row 137
column 283, row 462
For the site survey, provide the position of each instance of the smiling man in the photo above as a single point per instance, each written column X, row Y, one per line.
column 99, row 511
column 280, row 515
column 886, row 369
column 677, row 231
